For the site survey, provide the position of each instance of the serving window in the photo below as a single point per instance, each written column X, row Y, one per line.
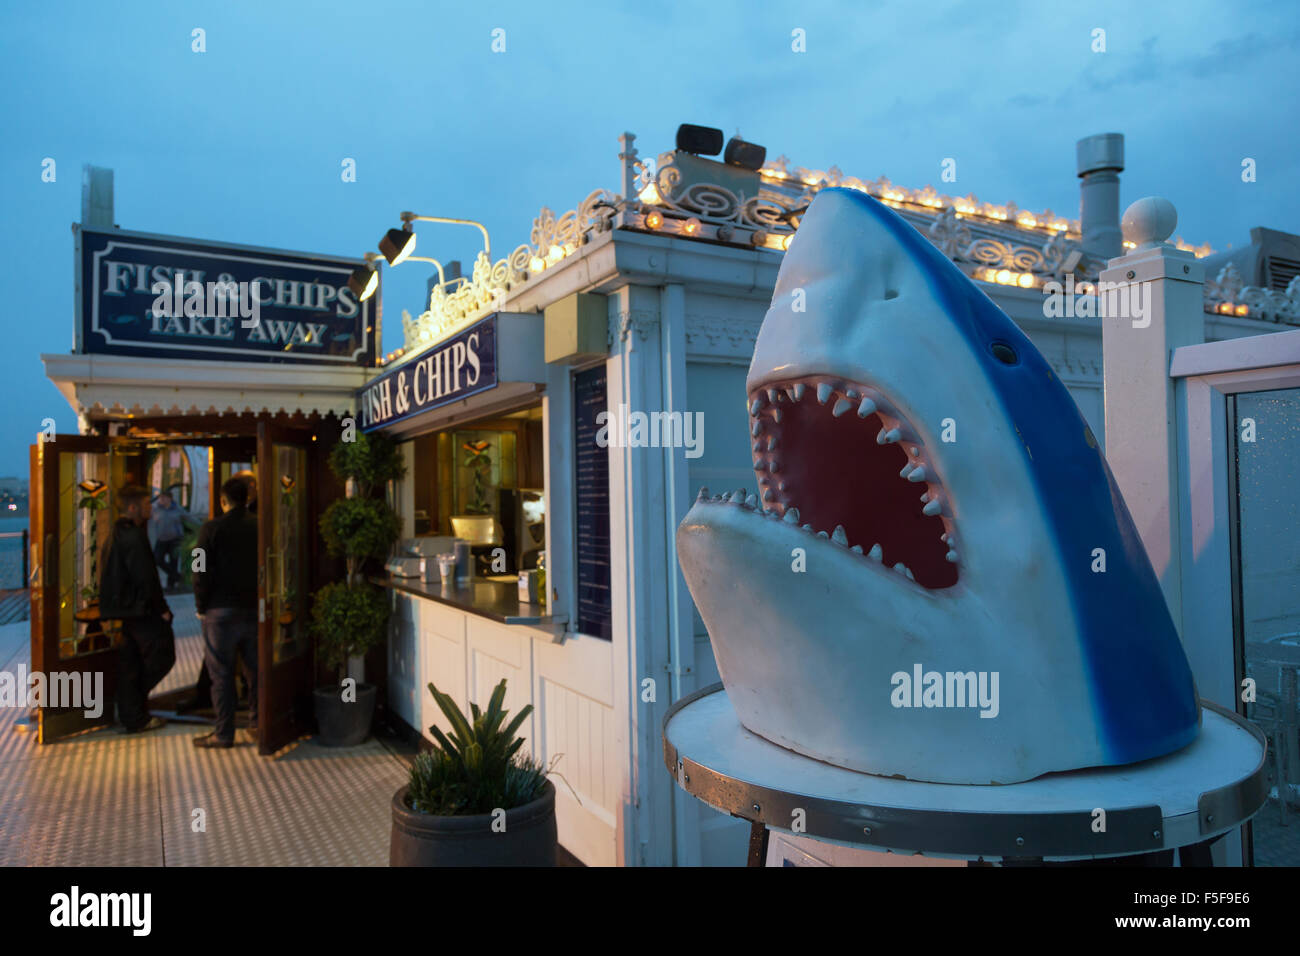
column 483, row 480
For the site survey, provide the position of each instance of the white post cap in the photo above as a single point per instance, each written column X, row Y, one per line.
column 1149, row 222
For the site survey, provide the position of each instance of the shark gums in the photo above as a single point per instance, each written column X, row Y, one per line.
column 949, row 501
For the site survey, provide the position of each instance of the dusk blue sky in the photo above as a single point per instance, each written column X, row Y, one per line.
column 243, row 143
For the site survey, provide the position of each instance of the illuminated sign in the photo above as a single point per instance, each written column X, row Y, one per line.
column 463, row 365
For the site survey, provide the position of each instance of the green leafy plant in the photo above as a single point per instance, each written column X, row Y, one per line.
column 477, row 767
column 357, row 528
column 349, row 617
column 369, row 461
column 348, row 620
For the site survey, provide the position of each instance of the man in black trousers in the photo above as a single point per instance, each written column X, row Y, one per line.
column 225, row 598
column 129, row 591
column 203, row 687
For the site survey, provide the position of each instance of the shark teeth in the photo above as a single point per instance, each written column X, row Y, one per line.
column 768, row 408
column 750, row 502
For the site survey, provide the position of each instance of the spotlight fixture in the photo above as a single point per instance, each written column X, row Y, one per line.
column 700, row 140
column 363, row 282
column 397, row 245
column 745, row 155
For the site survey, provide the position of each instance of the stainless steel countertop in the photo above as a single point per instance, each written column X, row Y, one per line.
column 495, row 600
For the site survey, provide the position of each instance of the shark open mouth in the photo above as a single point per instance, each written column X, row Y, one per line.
column 896, row 412
column 839, row 459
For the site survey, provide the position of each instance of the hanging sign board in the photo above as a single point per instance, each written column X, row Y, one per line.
column 166, row 297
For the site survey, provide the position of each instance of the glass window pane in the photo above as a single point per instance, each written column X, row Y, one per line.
column 1266, row 452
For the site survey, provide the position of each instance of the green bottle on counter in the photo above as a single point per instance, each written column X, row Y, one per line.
column 541, row 578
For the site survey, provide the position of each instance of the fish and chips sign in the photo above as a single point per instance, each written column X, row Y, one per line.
column 456, row 368
column 165, row 297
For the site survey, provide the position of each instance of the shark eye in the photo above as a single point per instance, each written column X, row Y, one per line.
column 1004, row 353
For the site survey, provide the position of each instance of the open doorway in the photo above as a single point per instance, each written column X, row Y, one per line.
column 75, row 480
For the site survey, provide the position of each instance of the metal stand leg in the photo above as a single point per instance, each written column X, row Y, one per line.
column 758, row 836
column 1196, row 854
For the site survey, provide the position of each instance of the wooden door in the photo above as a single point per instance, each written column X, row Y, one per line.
column 284, row 647
column 71, row 509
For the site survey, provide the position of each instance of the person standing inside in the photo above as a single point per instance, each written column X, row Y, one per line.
column 129, row 591
column 225, row 599
column 168, row 529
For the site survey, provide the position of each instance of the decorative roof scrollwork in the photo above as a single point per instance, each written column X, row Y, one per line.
column 485, row 291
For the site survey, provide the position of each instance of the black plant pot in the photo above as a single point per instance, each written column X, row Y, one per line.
column 422, row 839
column 340, row 723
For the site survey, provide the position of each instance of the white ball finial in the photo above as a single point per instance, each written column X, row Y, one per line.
column 1149, row 222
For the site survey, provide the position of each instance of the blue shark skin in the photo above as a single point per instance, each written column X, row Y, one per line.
column 978, row 556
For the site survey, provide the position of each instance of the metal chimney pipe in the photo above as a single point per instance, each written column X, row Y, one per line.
column 1100, row 160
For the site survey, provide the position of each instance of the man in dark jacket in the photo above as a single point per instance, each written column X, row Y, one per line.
column 129, row 591
column 203, row 688
column 225, row 597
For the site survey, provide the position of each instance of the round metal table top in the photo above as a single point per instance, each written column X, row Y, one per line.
column 1214, row 784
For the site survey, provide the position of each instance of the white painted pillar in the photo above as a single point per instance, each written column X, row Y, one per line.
column 638, row 579
column 1139, row 334
column 678, row 500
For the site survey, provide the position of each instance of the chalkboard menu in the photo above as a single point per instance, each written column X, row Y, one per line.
column 594, row 611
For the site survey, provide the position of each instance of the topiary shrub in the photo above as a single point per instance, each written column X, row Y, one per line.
column 349, row 617
column 348, row 620
column 358, row 528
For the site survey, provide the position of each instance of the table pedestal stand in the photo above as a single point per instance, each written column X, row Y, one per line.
column 1136, row 814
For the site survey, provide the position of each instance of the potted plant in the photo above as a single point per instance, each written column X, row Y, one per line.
column 351, row 616
column 474, row 800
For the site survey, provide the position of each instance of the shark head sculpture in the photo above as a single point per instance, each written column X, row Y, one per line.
column 937, row 578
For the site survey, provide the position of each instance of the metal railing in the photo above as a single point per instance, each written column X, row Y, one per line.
column 13, row 562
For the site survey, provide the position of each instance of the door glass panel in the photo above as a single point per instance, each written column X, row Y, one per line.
column 287, row 566
column 1265, row 429
column 84, row 523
